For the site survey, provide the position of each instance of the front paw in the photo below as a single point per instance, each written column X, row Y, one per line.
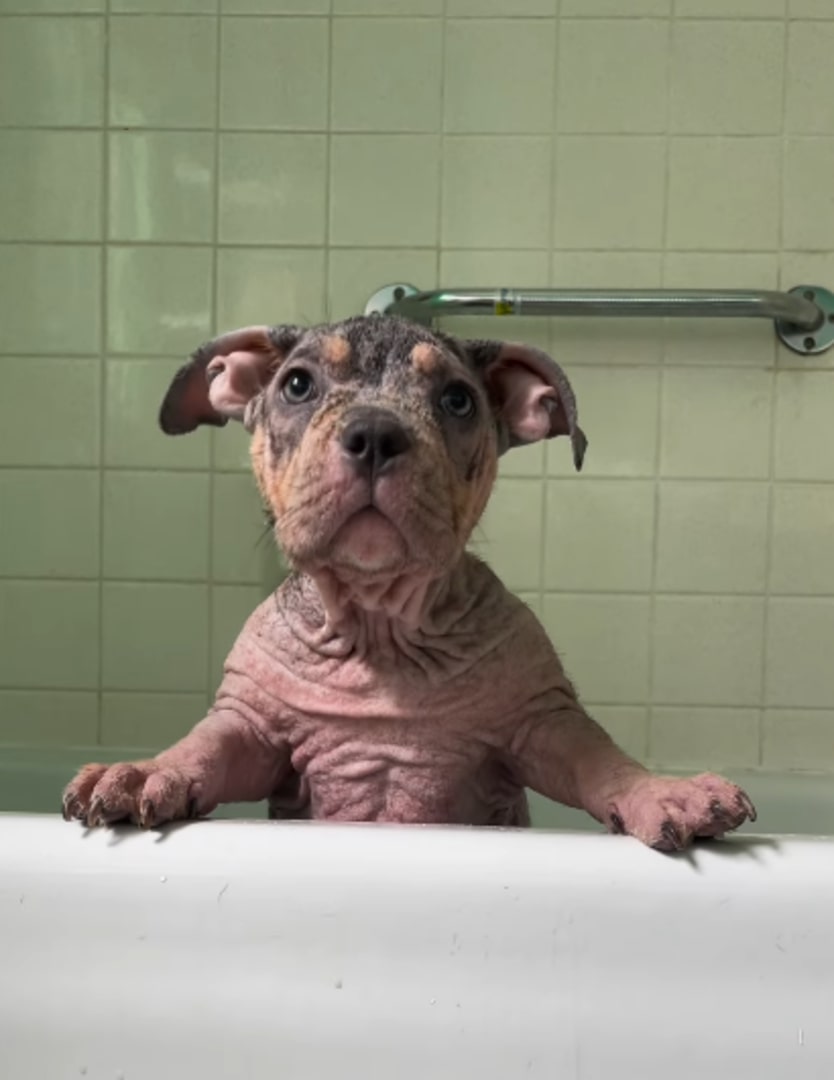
column 142, row 792
column 668, row 814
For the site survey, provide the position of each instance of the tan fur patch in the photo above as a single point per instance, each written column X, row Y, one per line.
column 426, row 358
column 335, row 350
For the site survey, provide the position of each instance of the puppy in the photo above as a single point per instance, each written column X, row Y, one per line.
column 391, row 677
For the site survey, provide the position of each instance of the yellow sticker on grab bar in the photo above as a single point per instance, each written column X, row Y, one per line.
column 504, row 305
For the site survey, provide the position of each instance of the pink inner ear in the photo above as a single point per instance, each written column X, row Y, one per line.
column 530, row 405
column 235, row 378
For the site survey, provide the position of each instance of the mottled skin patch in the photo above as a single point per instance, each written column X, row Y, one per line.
column 391, row 678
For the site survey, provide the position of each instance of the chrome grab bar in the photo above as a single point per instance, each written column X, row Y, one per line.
column 803, row 316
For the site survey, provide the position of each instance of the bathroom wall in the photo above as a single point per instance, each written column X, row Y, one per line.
column 168, row 169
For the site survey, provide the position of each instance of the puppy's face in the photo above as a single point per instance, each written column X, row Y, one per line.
column 374, row 441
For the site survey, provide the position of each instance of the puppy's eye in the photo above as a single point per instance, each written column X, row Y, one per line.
column 457, row 401
column 298, row 387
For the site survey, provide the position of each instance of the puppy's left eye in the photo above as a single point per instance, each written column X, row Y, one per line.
column 457, row 401
column 298, row 387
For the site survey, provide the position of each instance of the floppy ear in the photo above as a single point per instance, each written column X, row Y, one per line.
column 223, row 376
column 531, row 394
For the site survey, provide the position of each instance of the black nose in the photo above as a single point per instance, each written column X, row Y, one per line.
column 372, row 439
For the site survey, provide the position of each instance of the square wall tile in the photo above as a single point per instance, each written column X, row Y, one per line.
column 809, row 105
column 804, row 400
column 51, row 71
column 149, row 721
column 51, row 299
column 726, row 77
column 49, row 634
column 716, row 423
column 278, row 286
column 155, row 637
column 50, row 523
column 484, row 91
column 808, row 197
column 383, row 190
column 162, row 71
column 800, row 637
column 51, row 7
column 712, row 537
column 64, row 428
column 618, row 411
column 273, row 73
column 132, row 437
column 627, row 725
column 164, row 7
column 272, row 189
column 496, row 191
column 803, row 525
column 610, row 191
column 606, row 340
column 49, row 718
column 50, row 186
column 612, row 75
column 497, row 269
column 727, row 342
column 798, row 739
column 603, row 643
column 230, row 448
column 355, row 274
column 730, row 9
column 161, row 186
column 158, row 299
column 156, row 526
column 809, row 9
column 596, row 8
column 599, row 535
column 491, row 7
column 509, row 535
column 386, row 74
column 231, row 606
column 708, row 651
column 704, row 738
column 243, row 545
column 274, row 7
column 724, row 193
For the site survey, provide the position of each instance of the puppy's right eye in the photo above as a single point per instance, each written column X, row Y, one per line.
column 298, row 387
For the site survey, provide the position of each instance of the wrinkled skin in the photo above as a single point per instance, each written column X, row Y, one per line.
column 391, row 678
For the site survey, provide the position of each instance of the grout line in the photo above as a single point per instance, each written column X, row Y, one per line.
column 104, row 217
column 441, row 151
column 658, row 418
column 328, row 174
column 215, row 275
column 771, row 495
column 551, row 224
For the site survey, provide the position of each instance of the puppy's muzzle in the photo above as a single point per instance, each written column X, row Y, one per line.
column 373, row 441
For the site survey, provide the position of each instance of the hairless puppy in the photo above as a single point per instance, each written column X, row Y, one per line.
column 391, row 677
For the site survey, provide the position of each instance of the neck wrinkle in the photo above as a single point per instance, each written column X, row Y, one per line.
column 414, row 616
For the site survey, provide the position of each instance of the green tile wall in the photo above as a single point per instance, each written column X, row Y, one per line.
column 169, row 168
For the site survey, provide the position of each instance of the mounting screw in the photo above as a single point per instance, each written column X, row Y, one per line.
column 809, row 294
column 809, row 343
column 399, row 293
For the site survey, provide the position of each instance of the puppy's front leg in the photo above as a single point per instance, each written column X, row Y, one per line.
column 225, row 758
column 563, row 754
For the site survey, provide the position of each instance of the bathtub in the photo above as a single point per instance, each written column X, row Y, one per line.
column 251, row 949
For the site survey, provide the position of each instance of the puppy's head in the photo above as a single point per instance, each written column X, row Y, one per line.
column 375, row 441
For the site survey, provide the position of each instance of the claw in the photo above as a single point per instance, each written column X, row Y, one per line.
column 70, row 807
column 671, row 838
column 147, row 814
column 616, row 822
column 192, row 807
column 746, row 804
column 95, row 813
